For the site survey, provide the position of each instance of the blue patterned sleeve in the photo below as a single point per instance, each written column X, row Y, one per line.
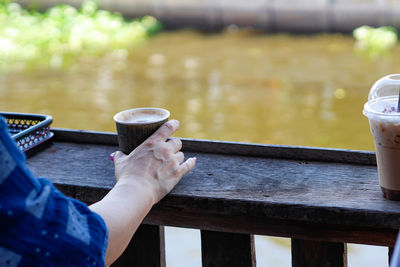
column 38, row 224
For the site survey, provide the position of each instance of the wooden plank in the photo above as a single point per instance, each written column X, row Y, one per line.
column 175, row 216
column 227, row 249
column 146, row 249
column 170, row 212
column 279, row 190
column 230, row 184
column 309, row 253
column 233, row 148
column 85, row 137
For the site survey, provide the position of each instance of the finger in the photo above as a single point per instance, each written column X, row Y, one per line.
column 112, row 156
column 116, row 156
column 187, row 166
column 165, row 131
column 175, row 144
column 180, row 157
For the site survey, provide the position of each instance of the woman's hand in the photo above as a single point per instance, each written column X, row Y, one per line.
column 143, row 178
column 157, row 164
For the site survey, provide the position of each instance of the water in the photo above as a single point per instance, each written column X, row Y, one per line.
column 235, row 86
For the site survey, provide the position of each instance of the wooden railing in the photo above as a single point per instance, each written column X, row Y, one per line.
column 320, row 198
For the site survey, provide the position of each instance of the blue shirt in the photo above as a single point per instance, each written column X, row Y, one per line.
column 39, row 226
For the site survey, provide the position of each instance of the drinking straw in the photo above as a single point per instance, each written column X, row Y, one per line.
column 395, row 260
column 398, row 103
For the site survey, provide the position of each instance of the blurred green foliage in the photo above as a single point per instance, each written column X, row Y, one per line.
column 63, row 33
column 375, row 42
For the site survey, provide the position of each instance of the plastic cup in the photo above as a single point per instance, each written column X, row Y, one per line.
column 134, row 126
column 384, row 120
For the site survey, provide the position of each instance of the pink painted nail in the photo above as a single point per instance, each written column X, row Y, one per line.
column 112, row 157
column 195, row 160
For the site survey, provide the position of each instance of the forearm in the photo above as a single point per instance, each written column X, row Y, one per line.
column 123, row 210
column 144, row 177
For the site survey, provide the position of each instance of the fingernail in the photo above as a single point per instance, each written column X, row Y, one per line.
column 112, row 157
column 195, row 159
column 174, row 121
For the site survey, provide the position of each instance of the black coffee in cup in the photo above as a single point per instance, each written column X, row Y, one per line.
column 134, row 126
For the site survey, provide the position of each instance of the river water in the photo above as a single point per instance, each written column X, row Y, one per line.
column 235, row 86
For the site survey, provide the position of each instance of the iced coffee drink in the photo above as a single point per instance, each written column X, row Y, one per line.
column 384, row 118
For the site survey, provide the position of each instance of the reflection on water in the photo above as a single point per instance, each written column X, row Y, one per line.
column 237, row 86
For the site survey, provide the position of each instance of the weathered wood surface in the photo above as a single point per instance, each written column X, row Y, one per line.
column 220, row 249
column 304, row 193
column 234, row 148
column 307, row 253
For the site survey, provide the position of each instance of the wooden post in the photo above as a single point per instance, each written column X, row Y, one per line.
column 227, row 249
column 146, row 249
column 306, row 253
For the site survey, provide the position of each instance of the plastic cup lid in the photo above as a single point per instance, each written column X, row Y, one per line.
column 383, row 98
